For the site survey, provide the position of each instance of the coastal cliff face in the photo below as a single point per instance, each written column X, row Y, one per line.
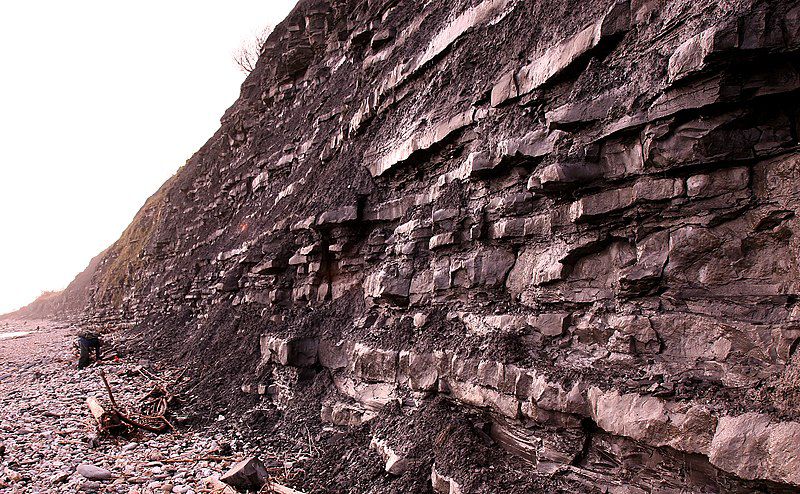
column 497, row 245
column 65, row 305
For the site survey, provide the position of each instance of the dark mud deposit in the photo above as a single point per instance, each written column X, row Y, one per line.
column 491, row 246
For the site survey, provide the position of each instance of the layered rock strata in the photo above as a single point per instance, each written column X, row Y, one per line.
column 574, row 219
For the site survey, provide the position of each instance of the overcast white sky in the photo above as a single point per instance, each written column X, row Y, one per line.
column 100, row 102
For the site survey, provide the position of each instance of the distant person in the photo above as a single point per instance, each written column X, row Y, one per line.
column 88, row 341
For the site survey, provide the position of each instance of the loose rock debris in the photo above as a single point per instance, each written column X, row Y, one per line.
column 248, row 474
column 50, row 441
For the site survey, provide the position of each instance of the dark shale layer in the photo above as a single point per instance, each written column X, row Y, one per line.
column 494, row 246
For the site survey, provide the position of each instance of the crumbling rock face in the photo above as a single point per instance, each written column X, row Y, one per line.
column 574, row 222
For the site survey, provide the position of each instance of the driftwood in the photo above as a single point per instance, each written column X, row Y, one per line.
column 156, row 402
column 107, row 420
column 279, row 489
column 98, row 412
column 112, row 419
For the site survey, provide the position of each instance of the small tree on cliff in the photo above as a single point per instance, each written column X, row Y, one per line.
column 246, row 56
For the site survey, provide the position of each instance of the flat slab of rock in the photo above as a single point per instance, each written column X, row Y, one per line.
column 248, row 474
column 92, row 472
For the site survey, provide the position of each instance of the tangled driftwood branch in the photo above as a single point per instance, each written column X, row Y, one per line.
column 154, row 409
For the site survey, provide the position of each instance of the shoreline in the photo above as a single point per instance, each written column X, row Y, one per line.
column 47, row 429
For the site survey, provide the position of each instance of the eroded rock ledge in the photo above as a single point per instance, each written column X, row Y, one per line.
column 532, row 414
column 577, row 220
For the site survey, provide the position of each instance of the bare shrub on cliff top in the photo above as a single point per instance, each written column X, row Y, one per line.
column 246, row 56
